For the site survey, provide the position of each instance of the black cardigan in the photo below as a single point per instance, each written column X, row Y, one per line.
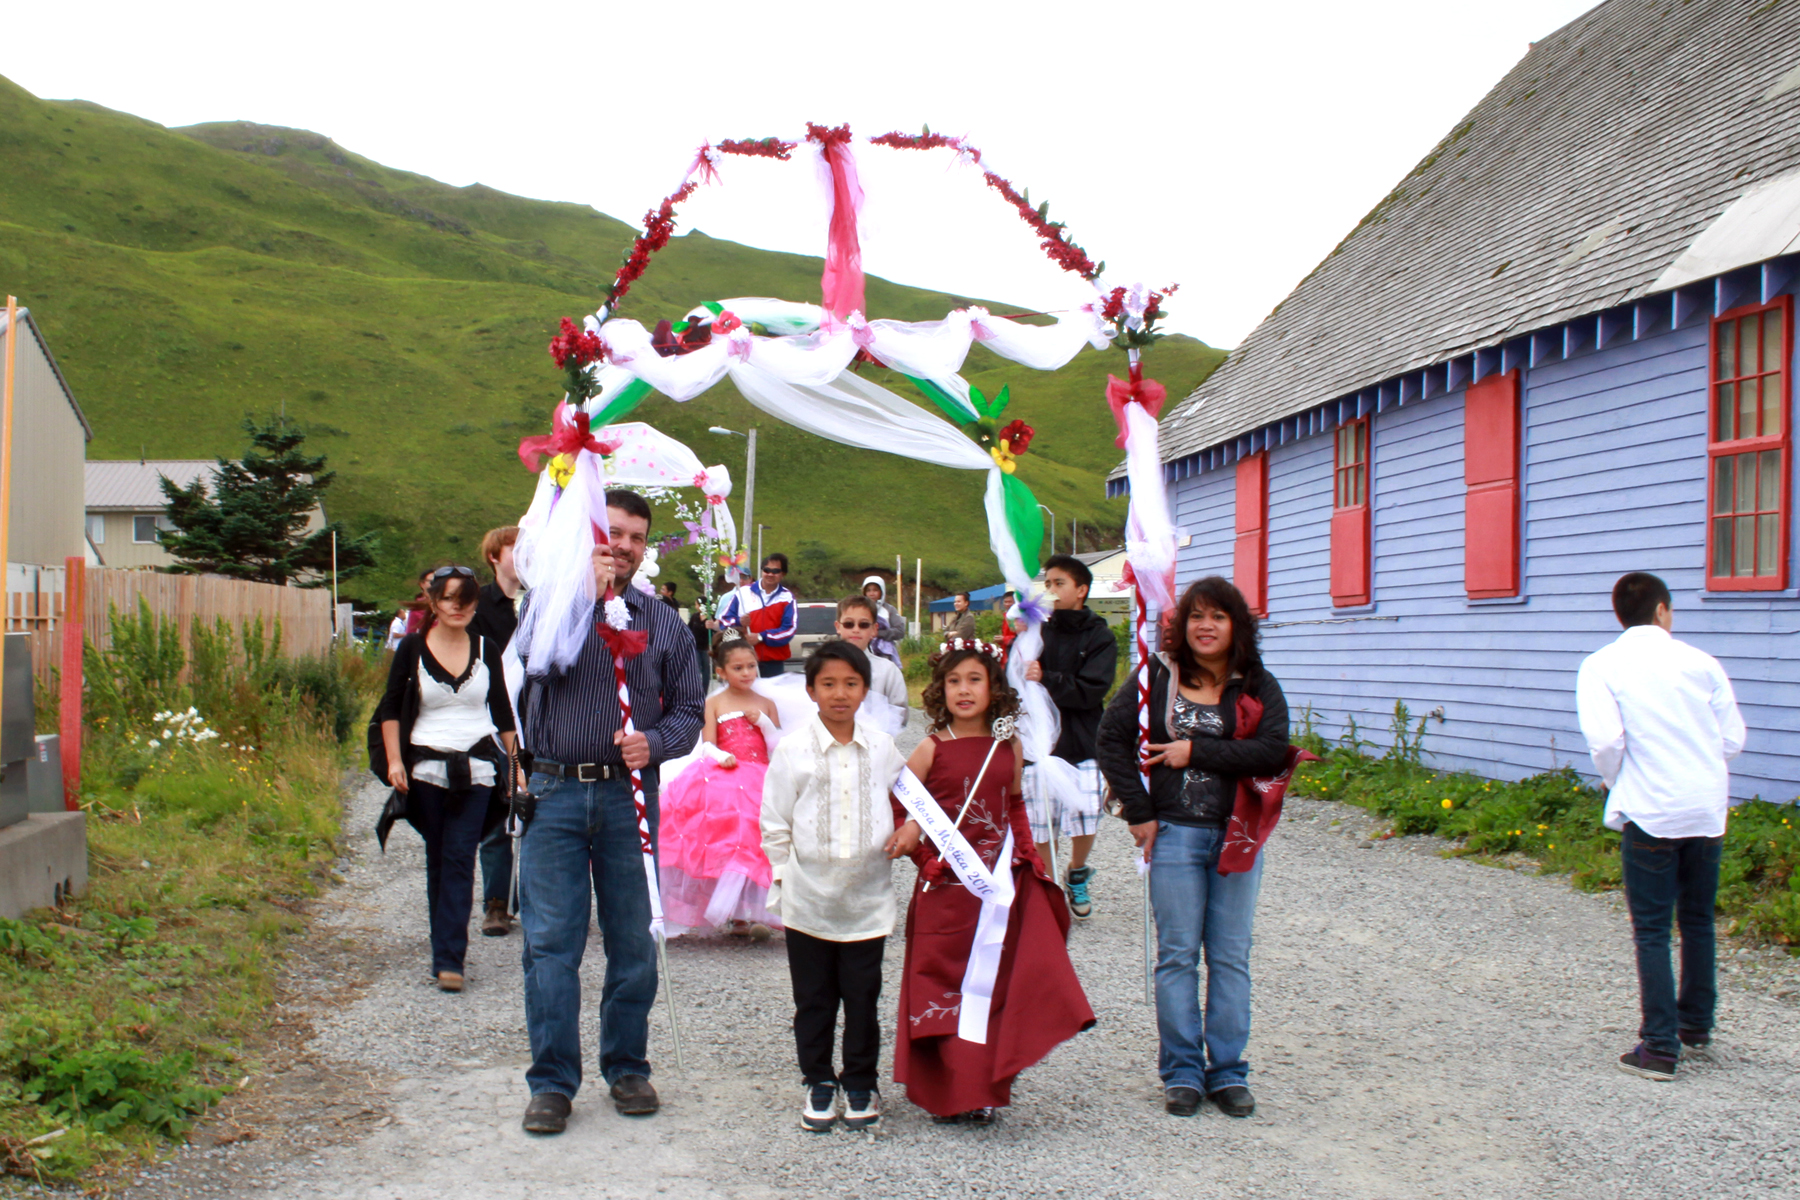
column 1262, row 753
column 401, row 700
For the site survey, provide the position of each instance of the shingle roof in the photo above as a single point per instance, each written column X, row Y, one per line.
column 131, row 483
column 1569, row 189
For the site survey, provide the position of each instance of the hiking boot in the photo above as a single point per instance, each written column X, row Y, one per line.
column 1234, row 1101
column 1080, row 906
column 1647, row 1064
column 820, row 1113
column 547, row 1112
column 1180, row 1101
column 450, row 981
column 633, row 1096
column 862, row 1109
column 495, row 922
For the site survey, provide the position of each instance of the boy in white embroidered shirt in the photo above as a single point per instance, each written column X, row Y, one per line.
column 828, row 829
column 1660, row 722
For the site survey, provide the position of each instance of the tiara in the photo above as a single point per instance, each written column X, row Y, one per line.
column 985, row 649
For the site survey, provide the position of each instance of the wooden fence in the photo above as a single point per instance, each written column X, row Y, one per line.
column 304, row 613
column 35, row 604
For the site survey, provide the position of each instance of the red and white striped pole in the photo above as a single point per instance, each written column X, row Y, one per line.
column 1143, row 714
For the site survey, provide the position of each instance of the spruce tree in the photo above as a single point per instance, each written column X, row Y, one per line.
column 249, row 521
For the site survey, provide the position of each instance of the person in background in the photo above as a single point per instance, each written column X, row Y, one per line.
column 665, row 591
column 893, row 628
column 1661, row 722
column 495, row 618
column 1076, row 668
column 886, row 705
column 444, row 705
column 411, row 617
column 962, row 624
column 581, row 850
column 1218, row 754
column 767, row 615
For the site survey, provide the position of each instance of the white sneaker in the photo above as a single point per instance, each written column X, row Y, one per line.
column 862, row 1109
column 820, row 1112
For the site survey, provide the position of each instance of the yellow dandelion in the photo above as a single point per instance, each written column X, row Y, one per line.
column 1553, row 845
column 1448, row 803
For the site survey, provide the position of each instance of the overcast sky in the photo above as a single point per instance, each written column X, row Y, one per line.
column 1227, row 147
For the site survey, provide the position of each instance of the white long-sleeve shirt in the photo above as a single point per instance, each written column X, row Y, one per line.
column 1660, row 722
column 826, row 817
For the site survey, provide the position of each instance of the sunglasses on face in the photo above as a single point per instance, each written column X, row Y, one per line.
column 773, row 571
column 444, row 572
column 856, row 624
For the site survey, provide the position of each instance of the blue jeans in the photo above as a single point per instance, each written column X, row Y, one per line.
column 1197, row 910
column 583, row 831
column 1672, row 878
column 496, row 866
column 451, row 828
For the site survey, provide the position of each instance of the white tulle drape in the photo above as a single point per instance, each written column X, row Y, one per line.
column 554, row 552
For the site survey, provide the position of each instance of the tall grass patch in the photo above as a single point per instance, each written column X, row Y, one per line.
column 210, row 778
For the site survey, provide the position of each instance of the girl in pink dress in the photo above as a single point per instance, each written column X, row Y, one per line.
column 709, row 849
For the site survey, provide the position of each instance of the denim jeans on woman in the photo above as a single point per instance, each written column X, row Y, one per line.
column 1199, row 911
column 583, row 832
column 451, row 827
column 1672, row 878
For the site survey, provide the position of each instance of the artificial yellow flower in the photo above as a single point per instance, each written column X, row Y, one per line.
column 562, row 469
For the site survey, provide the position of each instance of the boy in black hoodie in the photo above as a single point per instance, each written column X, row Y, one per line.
column 1076, row 668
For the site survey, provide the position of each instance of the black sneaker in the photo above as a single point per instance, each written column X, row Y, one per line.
column 820, row 1113
column 1081, row 907
column 862, row 1109
column 1696, row 1039
column 1181, row 1101
column 1234, row 1101
column 1647, row 1064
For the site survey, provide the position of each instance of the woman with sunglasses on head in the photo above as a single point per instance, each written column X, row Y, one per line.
column 447, row 733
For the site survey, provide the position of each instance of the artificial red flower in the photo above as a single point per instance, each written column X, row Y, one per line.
column 1017, row 436
column 725, row 322
column 577, row 344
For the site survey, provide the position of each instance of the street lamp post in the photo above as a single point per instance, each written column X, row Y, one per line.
column 759, row 550
column 749, row 478
column 1052, row 528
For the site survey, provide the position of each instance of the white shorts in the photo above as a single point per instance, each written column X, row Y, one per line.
column 1076, row 808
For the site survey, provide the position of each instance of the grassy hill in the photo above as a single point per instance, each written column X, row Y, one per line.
column 188, row 277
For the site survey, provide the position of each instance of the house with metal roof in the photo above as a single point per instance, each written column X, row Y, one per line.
column 127, row 512
column 1561, row 349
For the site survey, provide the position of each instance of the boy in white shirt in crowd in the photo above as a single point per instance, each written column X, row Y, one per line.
column 1660, row 722
column 858, row 623
column 828, row 829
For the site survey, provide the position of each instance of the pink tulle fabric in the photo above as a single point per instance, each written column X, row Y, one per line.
column 710, row 853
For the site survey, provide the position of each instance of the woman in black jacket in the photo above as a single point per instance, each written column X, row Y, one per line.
column 445, row 706
column 1201, row 689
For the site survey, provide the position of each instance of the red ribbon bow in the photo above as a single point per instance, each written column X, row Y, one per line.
column 1146, row 392
column 625, row 644
column 567, row 436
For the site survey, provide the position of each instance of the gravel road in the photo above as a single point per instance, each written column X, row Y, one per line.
column 1423, row 1027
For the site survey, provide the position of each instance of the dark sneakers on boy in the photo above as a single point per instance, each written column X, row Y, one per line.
column 1181, row 1101
column 862, row 1110
column 1695, row 1039
column 1234, row 1101
column 820, row 1113
column 1081, row 907
column 1647, row 1064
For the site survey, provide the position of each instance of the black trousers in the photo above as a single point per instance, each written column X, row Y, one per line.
column 451, row 827
column 828, row 975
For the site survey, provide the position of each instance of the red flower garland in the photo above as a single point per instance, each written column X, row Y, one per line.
column 1054, row 241
column 577, row 344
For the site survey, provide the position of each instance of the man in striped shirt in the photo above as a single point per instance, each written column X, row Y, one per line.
column 585, row 826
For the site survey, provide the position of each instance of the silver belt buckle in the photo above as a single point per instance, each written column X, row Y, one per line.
column 582, row 776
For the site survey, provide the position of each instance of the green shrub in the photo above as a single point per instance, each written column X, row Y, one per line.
column 1553, row 818
column 74, row 1072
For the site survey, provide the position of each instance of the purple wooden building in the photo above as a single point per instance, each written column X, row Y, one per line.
column 1561, row 349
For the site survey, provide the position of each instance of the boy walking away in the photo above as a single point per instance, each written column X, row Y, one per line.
column 828, row 829
column 1661, row 721
column 1076, row 668
column 886, row 705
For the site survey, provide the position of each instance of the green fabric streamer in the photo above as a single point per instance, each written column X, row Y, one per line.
column 1023, row 520
column 629, row 397
column 944, row 400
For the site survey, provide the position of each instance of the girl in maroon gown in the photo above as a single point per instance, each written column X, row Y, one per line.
column 952, row 1078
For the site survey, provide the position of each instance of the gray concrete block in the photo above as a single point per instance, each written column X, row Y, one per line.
column 42, row 859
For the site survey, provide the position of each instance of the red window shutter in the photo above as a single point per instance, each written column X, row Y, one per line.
column 1350, row 555
column 1491, row 474
column 1250, row 556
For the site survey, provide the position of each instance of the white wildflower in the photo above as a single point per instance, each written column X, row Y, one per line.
column 154, row 743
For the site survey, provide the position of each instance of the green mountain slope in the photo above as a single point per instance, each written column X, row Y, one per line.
column 189, row 277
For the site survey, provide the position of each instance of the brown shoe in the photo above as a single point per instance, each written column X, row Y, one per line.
column 634, row 1096
column 497, row 922
column 449, row 981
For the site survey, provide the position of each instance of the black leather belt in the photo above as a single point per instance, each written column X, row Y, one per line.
column 581, row 772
